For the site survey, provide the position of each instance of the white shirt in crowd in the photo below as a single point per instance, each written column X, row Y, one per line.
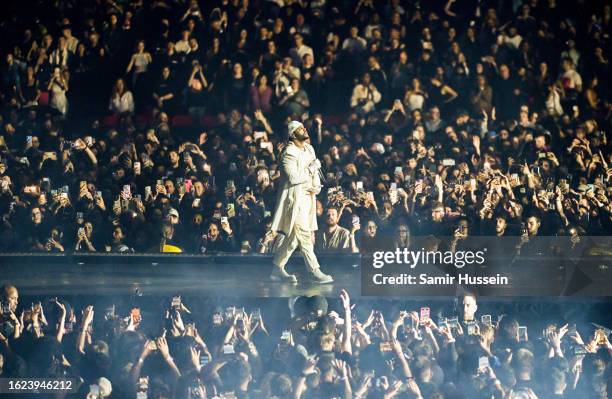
column 573, row 78
column 515, row 41
column 60, row 57
column 122, row 104
column 573, row 54
column 297, row 54
column 415, row 101
column 182, row 46
column 354, row 44
column 365, row 97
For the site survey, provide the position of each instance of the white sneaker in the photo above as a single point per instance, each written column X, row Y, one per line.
column 321, row 278
column 280, row 275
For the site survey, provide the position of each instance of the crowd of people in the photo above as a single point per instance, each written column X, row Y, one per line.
column 457, row 119
column 314, row 349
column 134, row 126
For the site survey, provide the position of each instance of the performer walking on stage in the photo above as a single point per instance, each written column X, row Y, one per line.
column 295, row 214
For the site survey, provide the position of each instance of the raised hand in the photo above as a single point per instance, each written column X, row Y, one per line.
column 346, row 301
column 369, row 320
column 394, row 388
column 178, row 327
column 149, row 347
column 195, row 357
column 309, row 367
column 364, row 387
column 447, row 334
column 88, row 315
column 62, row 308
column 162, row 347
column 341, row 367
column 401, row 317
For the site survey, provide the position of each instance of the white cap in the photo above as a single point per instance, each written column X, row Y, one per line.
column 293, row 126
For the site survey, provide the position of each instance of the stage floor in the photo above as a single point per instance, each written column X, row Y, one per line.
column 211, row 276
column 225, row 276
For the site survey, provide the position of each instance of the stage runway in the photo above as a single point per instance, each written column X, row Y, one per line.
column 232, row 276
column 205, row 276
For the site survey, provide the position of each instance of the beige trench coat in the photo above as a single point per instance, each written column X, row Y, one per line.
column 295, row 179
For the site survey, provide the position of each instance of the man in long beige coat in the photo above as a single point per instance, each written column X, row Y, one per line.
column 295, row 214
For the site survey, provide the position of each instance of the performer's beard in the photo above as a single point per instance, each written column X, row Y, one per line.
column 301, row 137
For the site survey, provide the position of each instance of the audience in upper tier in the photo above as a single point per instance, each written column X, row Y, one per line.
column 156, row 126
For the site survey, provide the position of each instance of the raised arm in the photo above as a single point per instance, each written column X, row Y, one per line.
column 88, row 315
column 130, row 65
column 82, row 146
column 346, row 336
column 162, row 347
column 62, row 322
column 264, row 121
column 376, row 96
column 450, row 91
column 300, row 382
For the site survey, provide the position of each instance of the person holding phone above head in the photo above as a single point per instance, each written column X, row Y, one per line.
column 295, row 213
column 58, row 86
column 219, row 237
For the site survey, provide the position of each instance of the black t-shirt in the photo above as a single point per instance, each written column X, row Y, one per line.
column 164, row 87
